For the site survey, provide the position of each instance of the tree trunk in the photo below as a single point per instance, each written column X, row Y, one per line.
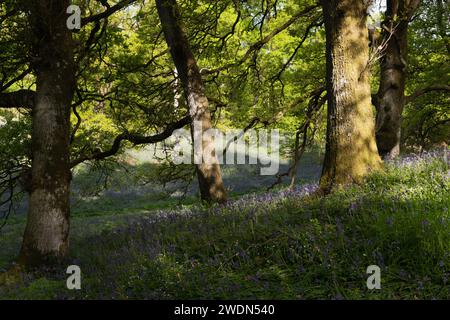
column 391, row 93
column 208, row 172
column 351, row 150
column 46, row 234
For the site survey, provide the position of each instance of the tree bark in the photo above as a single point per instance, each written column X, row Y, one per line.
column 46, row 234
column 391, row 93
column 208, row 172
column 351, row 150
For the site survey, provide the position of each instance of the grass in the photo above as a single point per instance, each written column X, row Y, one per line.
column 278, row 245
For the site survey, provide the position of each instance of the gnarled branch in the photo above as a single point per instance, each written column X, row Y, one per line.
column 135, row 139
column 108, row 12
column 17, row 99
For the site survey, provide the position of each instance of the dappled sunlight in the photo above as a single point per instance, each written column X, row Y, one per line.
column 224, row 150
column 280, row 243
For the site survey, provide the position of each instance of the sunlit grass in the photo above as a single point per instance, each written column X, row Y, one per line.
column 280, row 245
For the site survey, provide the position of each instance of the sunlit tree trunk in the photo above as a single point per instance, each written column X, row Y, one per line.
column 351, row 150
column 209, row 173
column 390, row 99
column 46, row 234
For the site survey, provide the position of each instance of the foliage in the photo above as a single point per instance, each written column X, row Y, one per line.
column 427, row 118
column 282, row 244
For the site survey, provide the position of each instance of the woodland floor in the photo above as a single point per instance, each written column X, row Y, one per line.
column 282, row 244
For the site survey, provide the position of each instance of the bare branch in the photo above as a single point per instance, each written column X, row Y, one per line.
column 135, row 139
column 315, row 23
column 426, row 90
column 259, row 44
column 252, row 123
column 17, row 99
column 18, row 78
column 314, row 106
column 108, row 12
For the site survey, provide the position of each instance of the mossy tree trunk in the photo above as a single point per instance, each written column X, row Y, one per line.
column 390, row 99
column 351, row 150
column 208, row 172
column 46, row 235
